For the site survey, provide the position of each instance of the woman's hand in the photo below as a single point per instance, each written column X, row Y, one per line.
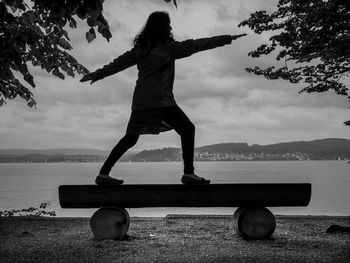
column 234, row 37
column 89, row 77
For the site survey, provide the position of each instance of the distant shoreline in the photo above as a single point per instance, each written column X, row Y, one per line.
column 323, row 149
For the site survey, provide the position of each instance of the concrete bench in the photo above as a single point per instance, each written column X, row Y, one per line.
column 252, row 219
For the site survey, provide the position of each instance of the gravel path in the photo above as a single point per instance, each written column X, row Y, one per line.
column 172, row 239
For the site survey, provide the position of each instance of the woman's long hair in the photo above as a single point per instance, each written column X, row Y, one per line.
column 157, row 29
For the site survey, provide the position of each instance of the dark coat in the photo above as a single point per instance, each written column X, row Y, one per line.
column 154, row 86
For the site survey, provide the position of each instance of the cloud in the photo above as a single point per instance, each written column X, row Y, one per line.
column 220, row 121
column 223, row 13
column 224, row 102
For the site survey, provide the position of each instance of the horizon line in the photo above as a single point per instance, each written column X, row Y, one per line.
column 249, row 144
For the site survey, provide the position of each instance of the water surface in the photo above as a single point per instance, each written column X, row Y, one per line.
column 24, row 185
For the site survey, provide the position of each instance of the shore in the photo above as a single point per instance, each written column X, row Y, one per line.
column 173, row 239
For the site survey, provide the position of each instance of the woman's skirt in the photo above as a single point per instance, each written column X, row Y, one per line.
column 147, row 121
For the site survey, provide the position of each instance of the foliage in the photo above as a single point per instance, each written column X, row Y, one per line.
column 34, row 32
column 313, row 39
column 31, row 211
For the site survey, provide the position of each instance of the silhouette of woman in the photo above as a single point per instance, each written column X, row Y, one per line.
column 154, row 109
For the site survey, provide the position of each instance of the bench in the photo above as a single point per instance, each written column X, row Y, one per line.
column 252, row 220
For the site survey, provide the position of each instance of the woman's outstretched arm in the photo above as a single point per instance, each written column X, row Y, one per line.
column 122, row 62
column 188, row 47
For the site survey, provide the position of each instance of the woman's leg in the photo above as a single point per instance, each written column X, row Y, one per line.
column 128, row 141
column 185, row 128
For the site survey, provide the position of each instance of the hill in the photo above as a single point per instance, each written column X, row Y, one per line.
column 54, row 151
column 324, row 149
column 56, row 155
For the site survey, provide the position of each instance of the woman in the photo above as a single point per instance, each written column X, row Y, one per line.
column 154, row 109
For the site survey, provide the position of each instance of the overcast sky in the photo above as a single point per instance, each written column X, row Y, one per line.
column 225, row 103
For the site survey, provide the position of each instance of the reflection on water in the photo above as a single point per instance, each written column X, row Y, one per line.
column 25, row 185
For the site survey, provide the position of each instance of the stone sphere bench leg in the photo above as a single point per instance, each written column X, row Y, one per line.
column 110, row 223
column 254, row 222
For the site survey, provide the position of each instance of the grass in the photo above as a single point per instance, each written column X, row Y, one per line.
column 172, row 239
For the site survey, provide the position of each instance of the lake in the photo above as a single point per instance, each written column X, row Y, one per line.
column 29, row 184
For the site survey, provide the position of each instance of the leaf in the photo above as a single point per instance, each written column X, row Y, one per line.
column 60, row 75
column 29, row 17
column 21, row 5
column 82, row 12
column 57, row 10
column 70, row 72
column 94, row 14
column 90, row 35
column 55, row 72
column 106, row 34
column 63, row 43
column 72, row 23
column 56, row 30
column 65, row 33
column 9, row 2
column 100, row 28
column 31, row 103
column 90, row 21
column 23, row 69
column 101, row 20
column 29, row 78
column 62, row 22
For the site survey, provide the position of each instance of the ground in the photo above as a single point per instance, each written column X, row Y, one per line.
column 172, row 239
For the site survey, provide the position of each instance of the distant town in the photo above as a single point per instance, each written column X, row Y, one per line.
column 324, row 149
column 295, row 156
column 206, row 156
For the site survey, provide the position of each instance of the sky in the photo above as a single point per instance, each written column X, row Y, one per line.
column 225, row 103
